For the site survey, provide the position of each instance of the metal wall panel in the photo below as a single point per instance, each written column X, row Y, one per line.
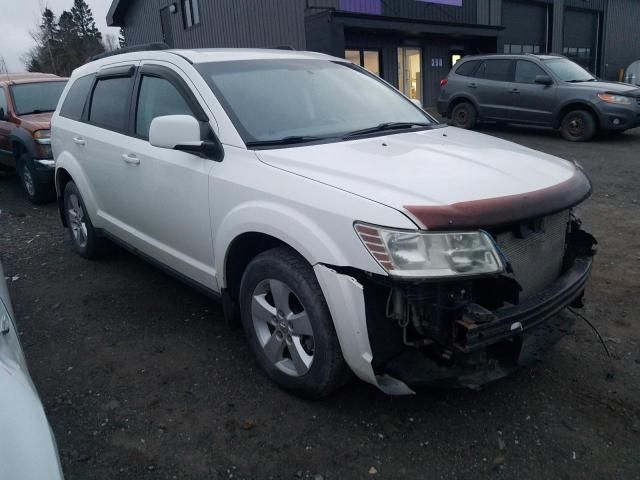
column 622, row 36
column 224, row 23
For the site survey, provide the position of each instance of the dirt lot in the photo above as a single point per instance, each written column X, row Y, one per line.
column 142, row 380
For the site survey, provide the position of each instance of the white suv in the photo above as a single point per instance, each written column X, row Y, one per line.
column 347, row 229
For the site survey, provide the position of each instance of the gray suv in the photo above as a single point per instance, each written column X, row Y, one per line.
column 546, row 90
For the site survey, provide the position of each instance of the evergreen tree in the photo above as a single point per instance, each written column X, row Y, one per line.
column 121, row 38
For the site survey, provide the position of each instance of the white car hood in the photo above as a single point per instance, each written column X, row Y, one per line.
column 432, row 168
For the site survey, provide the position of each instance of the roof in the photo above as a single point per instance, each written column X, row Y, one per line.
column 28, row 77
column 202, row 55
column 116, row 13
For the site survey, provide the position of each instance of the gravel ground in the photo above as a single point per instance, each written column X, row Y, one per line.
column 142, row 380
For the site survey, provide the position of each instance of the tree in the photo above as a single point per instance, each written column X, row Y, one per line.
column 110, row 42
column 48, row 36
column 90, row 36
column 121, row 38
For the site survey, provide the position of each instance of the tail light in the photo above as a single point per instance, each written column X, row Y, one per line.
column 444, row 81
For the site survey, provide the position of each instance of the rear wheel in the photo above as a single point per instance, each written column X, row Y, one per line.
column 464, row 115
column 288, row 324
column 578, row 126
column 84, row 239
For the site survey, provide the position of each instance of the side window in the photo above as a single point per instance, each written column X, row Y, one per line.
column 467, row 68
column 3, row 100
column 526, row 72
column 110, row 103
column 76, row 98
column 157, row 98
column 498, row 70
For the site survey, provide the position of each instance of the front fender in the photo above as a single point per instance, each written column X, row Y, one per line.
column 292, row 227
column 19, row 136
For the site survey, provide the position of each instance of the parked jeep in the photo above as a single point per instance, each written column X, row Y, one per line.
column 544, row 90
column 27, row 101
column 347, row 228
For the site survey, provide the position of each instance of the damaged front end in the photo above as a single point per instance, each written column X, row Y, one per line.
column 469, row 331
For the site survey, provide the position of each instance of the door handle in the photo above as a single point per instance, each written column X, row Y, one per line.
column 131, row 159
column 515, row 91
column 4, row 324
column 473, row 85
column 79, row 141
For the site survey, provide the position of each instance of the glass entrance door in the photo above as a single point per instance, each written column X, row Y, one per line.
column 410, row 72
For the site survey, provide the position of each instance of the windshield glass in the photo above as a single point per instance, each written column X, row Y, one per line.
column 568, row 71
column 36, row 97
column 271, row 100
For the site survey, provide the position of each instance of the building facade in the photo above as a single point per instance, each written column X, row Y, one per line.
column 410, row 43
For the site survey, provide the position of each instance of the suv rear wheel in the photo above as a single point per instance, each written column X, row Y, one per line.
column 288, row 324
column 578, row 126
column 464, row 115
column 84, row 239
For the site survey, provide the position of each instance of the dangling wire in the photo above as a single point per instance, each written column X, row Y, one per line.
column 606, row 349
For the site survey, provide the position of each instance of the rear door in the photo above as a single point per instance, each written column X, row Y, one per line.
column 163, row 194
column 492, row 84
column 534, row 102
column 101, row 140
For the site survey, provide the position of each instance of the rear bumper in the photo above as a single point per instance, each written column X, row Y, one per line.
column 443, row 107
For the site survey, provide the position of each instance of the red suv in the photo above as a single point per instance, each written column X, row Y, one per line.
column 27, row 101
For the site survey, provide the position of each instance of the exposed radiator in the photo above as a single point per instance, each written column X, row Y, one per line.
column 537, row 258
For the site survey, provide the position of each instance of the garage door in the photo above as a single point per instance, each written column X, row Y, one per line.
column 525, row 27
column 581, row 37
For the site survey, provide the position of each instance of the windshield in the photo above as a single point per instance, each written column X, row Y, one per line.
column 306, row 100
column 36, row 97
column 568, row 71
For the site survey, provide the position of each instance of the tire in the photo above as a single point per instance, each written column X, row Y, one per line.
column 37, row 193
column 578, row 126
column 302, row 356
column 84, row 239
column 464, row 115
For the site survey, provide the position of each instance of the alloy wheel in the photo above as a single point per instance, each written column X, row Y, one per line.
column 77, row 221
column 576, row 126
column 283, row 327
column 27, row 181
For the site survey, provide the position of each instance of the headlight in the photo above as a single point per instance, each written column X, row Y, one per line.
column 610, row 98
column 43, row 137
column 425, row 254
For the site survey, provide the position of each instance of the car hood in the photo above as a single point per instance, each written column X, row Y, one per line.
column 36, row 121
column 448, row 173
column 615, row 87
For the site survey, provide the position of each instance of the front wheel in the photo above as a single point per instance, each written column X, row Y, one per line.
column 37, row 192
column 578, row 126
column 288, row 325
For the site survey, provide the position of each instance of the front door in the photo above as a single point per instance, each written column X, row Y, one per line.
column 165, row 22
column 534, row 102
column 410, row 72
column 6, row 156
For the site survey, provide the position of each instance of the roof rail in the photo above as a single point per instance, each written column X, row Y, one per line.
column 284, row 47
column 136, row 48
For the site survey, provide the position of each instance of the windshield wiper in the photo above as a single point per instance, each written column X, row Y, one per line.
column 285, row 141
column 582, row 80
column 387, row 126
column 34, row 112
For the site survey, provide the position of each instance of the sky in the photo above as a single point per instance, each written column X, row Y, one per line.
column 20, row 17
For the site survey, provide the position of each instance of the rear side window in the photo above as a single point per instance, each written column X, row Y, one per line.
column 76, row 98
column 498, row 70
column 110, row 103
column 467, row 68
column 526, row 72
column 157, row 98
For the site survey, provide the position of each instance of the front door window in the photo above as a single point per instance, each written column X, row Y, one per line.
column 410, row 72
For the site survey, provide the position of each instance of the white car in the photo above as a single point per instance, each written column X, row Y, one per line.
column 27, row 447
column 347, row 229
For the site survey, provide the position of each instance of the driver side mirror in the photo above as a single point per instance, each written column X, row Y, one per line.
column 182, row 132
column 544, row 80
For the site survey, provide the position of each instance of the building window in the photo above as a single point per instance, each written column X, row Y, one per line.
column 518, row 49
column 191, row 12
column 368, row 59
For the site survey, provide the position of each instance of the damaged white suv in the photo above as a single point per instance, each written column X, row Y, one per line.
column 345, row 227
